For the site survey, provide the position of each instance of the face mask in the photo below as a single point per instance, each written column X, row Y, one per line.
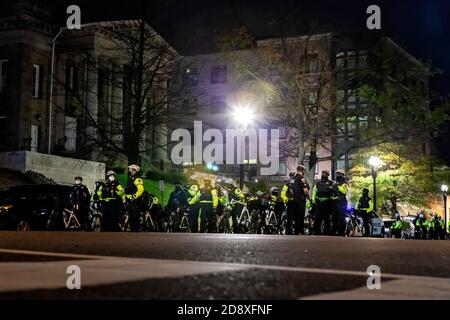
column 111, row 178
column 324, row 178
column 77, row 182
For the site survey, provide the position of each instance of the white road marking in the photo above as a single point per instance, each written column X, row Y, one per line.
column 100, row 270
column 400, row 289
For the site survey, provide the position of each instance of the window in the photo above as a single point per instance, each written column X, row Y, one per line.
column 70, row 134
column 363, row 59
column 351, row 96
column 312, row 97
column 340, row 60
column 340, row 126
column 282, row 132
column 191, row 77
column 351, row 59
column 312, row 63
column 363, row 122
column 340, row 96
column 218, row 104
column 219, row 74
column 190, row 105
column 3, row 74
column 282, row 168
column 37, row 81
column 340, row 164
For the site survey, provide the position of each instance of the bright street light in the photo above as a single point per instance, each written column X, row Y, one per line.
column 444, row 188
column 375, row 161
column 243, row 115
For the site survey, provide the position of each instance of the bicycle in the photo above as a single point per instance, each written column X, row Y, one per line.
column 223, row 221
column 70, row 219
column 355, row 224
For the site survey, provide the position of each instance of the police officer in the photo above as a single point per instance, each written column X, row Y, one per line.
column 111, row 195
column 421, row 227
column 133, row 192
column 364, row 207
column 79, row 199
column 194, row 207
column 238, row 197
column 397, row 226
column 277, row 202
column 209, row 200
column 340, row 189
column 322, row 199
column 299, row 190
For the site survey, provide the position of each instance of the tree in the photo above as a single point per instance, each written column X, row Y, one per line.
column 300, row 80
column 404, row 177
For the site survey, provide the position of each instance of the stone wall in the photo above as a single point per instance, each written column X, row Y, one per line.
column 60, row 169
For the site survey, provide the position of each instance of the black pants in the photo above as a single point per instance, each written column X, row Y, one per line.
column 193, row 217
column 110, row 215
column 323, row 212
column 296, row 215
column 421, row 232
column 366, row 223
column 235, row 213
column 397, row 233
column 207, row 217
column 340, row 207
column 134, row 213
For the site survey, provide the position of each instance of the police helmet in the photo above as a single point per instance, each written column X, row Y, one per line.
column 397, row 216
column 134, row 167
column 110, row 173
column 274, row 190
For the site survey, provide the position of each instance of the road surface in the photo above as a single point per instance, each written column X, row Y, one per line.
column 33, row 265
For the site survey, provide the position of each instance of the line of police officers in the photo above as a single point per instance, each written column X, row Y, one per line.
column 328, row 202
column 113, row 198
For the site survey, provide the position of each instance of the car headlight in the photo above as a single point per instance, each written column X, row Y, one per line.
column 5, row 208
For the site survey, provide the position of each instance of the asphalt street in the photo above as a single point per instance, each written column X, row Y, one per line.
column 33, row 265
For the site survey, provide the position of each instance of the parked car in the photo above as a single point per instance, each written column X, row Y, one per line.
column 407, row 228
column 377, row 225
column 28, row 207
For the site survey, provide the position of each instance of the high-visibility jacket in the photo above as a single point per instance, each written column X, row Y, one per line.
column 322, row 191
column 135, row 188
column 397, row 225
column 111, row 190
column 364, row 203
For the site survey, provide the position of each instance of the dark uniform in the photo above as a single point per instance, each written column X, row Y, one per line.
column 111, row 196
column 322, row 199
column 340, row 189
column 79, row 199
column 209, row 201
column 296, row 206
column 364, row 207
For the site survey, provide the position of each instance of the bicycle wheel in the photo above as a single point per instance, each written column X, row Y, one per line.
column 349, row 229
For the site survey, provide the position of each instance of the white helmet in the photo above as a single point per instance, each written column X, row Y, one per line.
column 134, row 167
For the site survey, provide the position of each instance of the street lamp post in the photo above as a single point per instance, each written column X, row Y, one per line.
column 444, row 189
column 374, row 162
column 243, row 116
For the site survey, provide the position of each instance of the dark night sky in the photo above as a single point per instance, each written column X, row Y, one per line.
column 422, row 27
